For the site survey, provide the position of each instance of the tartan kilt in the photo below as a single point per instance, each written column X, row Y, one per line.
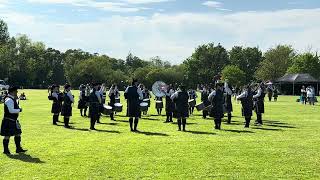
column 56, row 108
column 66, row 110
column 10, row 128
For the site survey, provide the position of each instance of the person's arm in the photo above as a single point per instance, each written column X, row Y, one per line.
column 258, row 94
column 10, row 104
column 55, row 95
column 174, row 95
column 242, row 95
column 211, row 96
column 140, row 94
column 70, row 96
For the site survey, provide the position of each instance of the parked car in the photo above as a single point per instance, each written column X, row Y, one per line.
column 3, row 85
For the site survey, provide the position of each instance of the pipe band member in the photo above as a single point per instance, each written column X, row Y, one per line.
column 228, row 101
column 10, row 125
column 133, row 95
column 112, row 96
column 94, row 105
column 216, row 99
column 259, row 103
column 169, row 104
column 68, row 99
column 192, row 96
column 204, row 98
column 57, row 97
column 246, row 98
column 180, row 98
column 83, row 101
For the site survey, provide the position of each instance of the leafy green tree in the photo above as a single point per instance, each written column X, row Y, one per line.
column 234, row 75
column 306, row 63
column 4, row 33
column 276, row 62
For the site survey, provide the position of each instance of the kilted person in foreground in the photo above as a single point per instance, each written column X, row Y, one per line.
column 133, row 95
column 180, row 98
column 216, row 99
column 10, row 125
column 94, row 105
column 169, row 104
column 57, row 99
column 259, row 103
column 204, row 98
column 228, row 100
column 112, row 96
column 66, row 110
column 192, row 97
column 83, row 101
column 246, row 98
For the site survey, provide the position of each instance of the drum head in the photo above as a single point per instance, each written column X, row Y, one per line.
column 191, row 100
column 146, row 100
column 143, row 104
column 159, row 102
column 118, row 104
column 107, row 107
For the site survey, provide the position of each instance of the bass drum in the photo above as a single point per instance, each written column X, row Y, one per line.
column 144, row 106
column 107, row 110
column 118, row 107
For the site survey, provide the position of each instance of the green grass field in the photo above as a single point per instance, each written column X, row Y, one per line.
column 286, row 147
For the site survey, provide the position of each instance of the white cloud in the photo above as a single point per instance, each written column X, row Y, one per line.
column 213, row 4
column 174, row 36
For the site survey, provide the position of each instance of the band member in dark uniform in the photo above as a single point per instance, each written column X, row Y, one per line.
column 259, row 103
column 94, row 105
column 275, row 94
column 66, row 110
column 101, row 92
column 217, row 101
column 10, row 125
column 83, row 99
column 112, row 96
column 180, row 98
column 270, row 91
column 192, row 96
column 146, row 96
column 57, row 99
column 246, row 98
column 204, row 98
column 159, row 108
column 134, row 95
column 169, row 104
column 228, row 100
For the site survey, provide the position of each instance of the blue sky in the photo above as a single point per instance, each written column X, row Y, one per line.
column 170, row 29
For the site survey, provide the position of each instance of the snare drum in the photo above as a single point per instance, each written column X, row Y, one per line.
column 118, row 107
column 144, row 106
column 106, row 109
column 200, row 107
column 147, row 101
column 192, row 103
column 117, row 100
column 159, row 104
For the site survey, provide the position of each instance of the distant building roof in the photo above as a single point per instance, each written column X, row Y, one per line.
column 297, row 78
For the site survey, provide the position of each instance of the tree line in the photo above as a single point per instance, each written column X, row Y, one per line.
column 33, row 65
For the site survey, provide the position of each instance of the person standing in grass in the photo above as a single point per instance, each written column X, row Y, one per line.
column 112, row 96
column 180, row 98
column 303, row 96
column 228, row 101
column 259, row 105
column 204, row 98
column 82, row 103
column 10, row 125
column 57, row 99
column 246, row 98
column 192, row 96
column 94, row 105
column 134, row 95
column 217, row 101
column 169, row 104
column 68, row 99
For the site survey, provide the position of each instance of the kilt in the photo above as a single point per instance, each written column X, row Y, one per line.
column 94, row 110
column 181, row 114
column 170, row 106
column 259, row 107
column 66, row 110
column 217, row 111
column 133, row 110
column 82, row 104
column 10, row 127
column 56, row 108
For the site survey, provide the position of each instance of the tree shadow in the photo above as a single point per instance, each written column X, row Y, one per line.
column 151, row 133
column 237, row 131
column 107, row 131
column 201, row 132
column 25, row 158
column 111, row 124
column 79, row 129
column 280, row 126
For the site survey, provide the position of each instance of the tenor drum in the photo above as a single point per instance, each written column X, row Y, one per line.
column 147, row 101
column 192, row 103
column 118, row 107
column 117, row 100
column 106, row 109
column 159, row 104
column 144, row 106
column 200, row 106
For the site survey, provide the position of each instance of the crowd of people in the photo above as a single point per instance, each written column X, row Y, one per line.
column 308, row 95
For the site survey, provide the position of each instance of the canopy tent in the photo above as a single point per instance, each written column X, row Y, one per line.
column 298, row 79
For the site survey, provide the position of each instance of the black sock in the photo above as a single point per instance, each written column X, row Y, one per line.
column 229, row 118
column 131, row 123
column 179, row 124
column 6, row 146
column 184, row 122
column 136, row 121
column 81, row 112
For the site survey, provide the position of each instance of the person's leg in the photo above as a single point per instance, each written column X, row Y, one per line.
column 81, row 110
column 179, row 124
column 259, row 118
column 66, row 121
column 136, row 121
column 184, row 123
column 112, row 116
column 248, row 118
column 92, row 122
column 17, row 140
column 170, row 117
column 229, row 117
column 55, row 119
column 6, row 140
column 131, row 123
column 85, row 111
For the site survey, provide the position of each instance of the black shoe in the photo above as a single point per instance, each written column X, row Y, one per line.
column 7, row 152
column 20, row 150
column 93, row 128
column 67, row 126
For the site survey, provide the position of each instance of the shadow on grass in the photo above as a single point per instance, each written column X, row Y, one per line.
column 151, row 133
column 200, row 132
column 267, row 129
column 107, row 131
column 237, row 131
column 25, row 158
column 187, row 123
column 111, row 124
